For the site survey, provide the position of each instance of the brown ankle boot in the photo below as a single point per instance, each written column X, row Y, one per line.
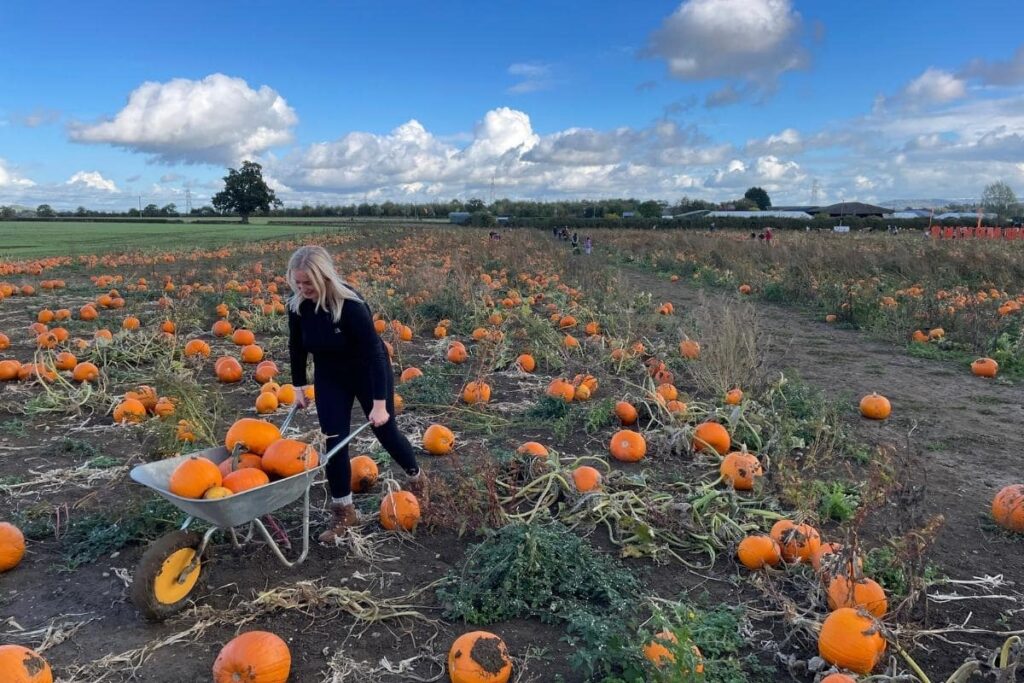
column 342, row 517
column 419, row 486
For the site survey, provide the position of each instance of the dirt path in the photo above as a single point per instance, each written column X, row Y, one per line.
column 965, row 437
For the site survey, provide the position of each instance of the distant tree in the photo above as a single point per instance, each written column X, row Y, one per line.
column 134, row 213
column 474, row 205
column 745, row 204
column 81, row 211
column 759, row 197
column 45, row 211
column 169, row 210
column 7, row 212
column 650, row 209
column 245, row 192
column 151, row 210
column 999, row 198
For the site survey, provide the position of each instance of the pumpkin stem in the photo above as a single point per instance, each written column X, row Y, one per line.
column 913, row 665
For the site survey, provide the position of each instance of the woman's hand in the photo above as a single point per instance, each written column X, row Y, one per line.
column 379, row 414
column 300, row 397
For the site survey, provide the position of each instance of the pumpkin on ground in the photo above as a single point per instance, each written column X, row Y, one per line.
column 863, row 592
column 253, row 657
column 627, row 446
column 875, row 407
column 479, row 657
column 851, row 639
column 399, row 510
column 477, row 392
column 526, row 362
column 228, row 370
column 129, row 410
column 740, row 469
column 799, row 542
column 711, row 436
column 19, row 664
column 438, row 440
column 657, row 654
column 533, row 448
column 364, row 473
column 759, row 551
column 626, row 413
column 586, row 478
column 12, row 546
column 1008, row 508
column 985, row 367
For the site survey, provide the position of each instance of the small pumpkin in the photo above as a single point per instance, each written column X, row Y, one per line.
column 985, row 367
column 533, row 448
column 799, row 542
column 399, row 509
column 1008, row 508
column 19, row 664
column 266, row 371
column 759, row 551
column 586, row 478
column 364, row 473
column 711, row 436
column 457, row 352
column 229, row 465
column 734, row 397
column 689, row 349
column 85, row 372
column 526, row 363
column 197, row 347
column 438, row 440
column 477, row 392
column 657, row 654
column 266, row 402
column 627, row 446
column 875, row 407
column 410, row 374
column 12, row 546
column 243, row 337
column 838, row 678
column 129, row 410
column 228, row 370
column 193, row 477
column 851, row 639
column 479, row 657
column 626, row 413
column 560, row 388
column 253, row 657
column 863, row 592
column 216, row 492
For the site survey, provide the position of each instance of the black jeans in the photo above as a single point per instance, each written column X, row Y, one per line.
column 337, row 388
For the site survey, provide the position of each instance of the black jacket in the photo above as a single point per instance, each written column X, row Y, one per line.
column 351, row 345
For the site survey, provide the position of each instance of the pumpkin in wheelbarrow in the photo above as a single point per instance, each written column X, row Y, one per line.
column 255, row 435
column 245, row 479
column 286, row 457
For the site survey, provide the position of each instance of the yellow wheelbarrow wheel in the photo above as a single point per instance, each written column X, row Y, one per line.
column 166, row 575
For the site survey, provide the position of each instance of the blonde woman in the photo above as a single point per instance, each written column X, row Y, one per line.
column 329, row 319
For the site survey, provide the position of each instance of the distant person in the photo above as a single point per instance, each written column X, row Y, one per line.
column 768, row 236
column 588, row 245
column 753, row 235
column 575, row 243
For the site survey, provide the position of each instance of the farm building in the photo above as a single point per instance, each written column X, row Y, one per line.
column 759, row 214
column 459, row 217
column 858, row 209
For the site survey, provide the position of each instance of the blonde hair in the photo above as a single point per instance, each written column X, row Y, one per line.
column 332, row 292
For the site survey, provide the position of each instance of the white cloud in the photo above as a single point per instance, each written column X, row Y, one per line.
column 1009, row 72
column 934, row 86
column 92, row 179
column 9, row 178
column 751, row 42
column 534, row 77
column 218, row 120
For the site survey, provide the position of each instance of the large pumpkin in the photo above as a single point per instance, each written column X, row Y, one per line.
column 286, row 457
column 255, row 435
column 399, row 509
column 253, row 657
column 1008, row 508
column 627, row 445
column 12, row 546
column 21, row 665
column 479, row 657
column 852, row 640
column 194, row 477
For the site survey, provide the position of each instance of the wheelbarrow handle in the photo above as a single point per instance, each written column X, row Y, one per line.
column 344, row 442
column 288, row 418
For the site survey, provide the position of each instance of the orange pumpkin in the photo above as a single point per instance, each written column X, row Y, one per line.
column 266, row 371
column 479, row 657
column 559, row 388
column 9, row 370
column 286, row 457
column 657, row 654
column 255, row 435
column 12, row 546
column 253, row 657
column 477, row 392
column 197, row 347
column 222, row 328
column 438, row 440
column 799, row 542
column 85, row 372
column 627, row 446
column 850, row 639
column 229, row 465
column 245, row 479
column 364, row 473
column 863, row 592
column 733, row 397
column 65, row 360
column 399, row 509
column 838, row 678
column 243, row 337
column 533, row 448
column 164, row 407
column 19, row 664
column 252, row 353
column 266, row 402
column 689, row 349
column 985, row 367
column 758, row 551
column 875, row 407
column 194, row 477
column 740, row 469
column 410, row 374
column 711, row 436
column 526, row 362
column 457, row 352
column 626, row 413
column 129, row 410
column 1008, row 508
column 228, row 370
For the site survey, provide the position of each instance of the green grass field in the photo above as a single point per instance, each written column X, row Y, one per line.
column 21, row 240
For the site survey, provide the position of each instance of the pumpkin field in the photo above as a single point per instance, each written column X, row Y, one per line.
column 688, row 456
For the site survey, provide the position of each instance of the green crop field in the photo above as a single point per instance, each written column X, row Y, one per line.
column 30, row 239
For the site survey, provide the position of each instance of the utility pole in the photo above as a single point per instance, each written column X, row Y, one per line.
column 140, row 204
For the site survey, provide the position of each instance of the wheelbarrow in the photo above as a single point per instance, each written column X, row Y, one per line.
column 172, row 564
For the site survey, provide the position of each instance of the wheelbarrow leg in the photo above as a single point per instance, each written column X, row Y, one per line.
column 305, row 536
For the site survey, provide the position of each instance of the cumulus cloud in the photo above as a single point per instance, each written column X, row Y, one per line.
column 10, row 179
column 218, row 120
column 748, row 42
column 1008, row 72
column 92, row 179
column 935, row 86
column 533, row 77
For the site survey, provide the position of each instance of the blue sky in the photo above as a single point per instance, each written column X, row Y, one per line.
column 101, row 102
